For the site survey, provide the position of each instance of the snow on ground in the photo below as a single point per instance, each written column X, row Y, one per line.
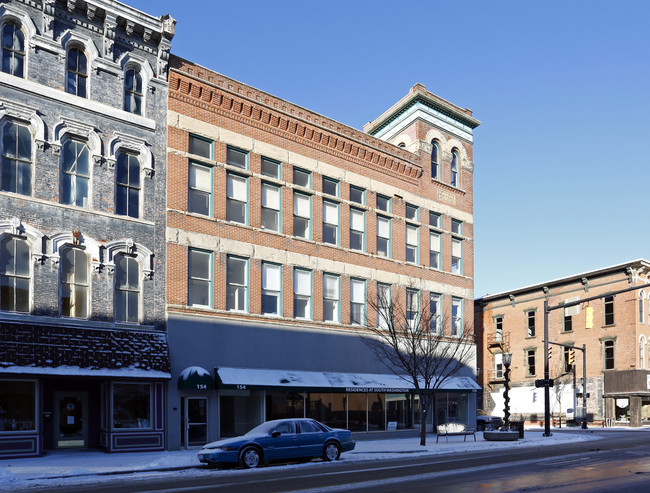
column 57, row 468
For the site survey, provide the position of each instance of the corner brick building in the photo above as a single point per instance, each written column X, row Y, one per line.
column 616, row 341
column 84, row 358
column 281, row 224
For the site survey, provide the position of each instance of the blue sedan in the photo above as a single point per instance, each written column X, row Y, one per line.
column 281, row 439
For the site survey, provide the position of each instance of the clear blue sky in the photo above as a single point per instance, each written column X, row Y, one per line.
column 562, row 89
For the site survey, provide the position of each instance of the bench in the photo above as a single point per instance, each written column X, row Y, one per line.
column 454, row 429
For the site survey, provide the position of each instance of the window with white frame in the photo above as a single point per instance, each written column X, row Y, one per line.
column 76, row 72
column 456, row 256
column 435, row 312
column 567, row 322
column 16, row 158
column 301, row 178
column 434, row 219
column 383, row 203
column 237, row 284
column 384, row 306
column 302, row 289
column 435, row 160
column 75, row 173
column 331, row 298
column 133, row 93
column 608, row 354
column 13, row 50
column 357, row 229
column 498, row 365
column 330, row 223
column 200, row 146
column 498, row 328
column 15, row 274
column 412, row 309
column 357, row 301
column 330, row 186
column 456, row 227
column 357, row 195
column 411, row 243
column 74, row 283
column 530, row 362
column 236, row 198
column 456, row 317
column 301, row 215
column 455, row 160
column 383, row 236
column 237, row 157
column 200, row 278
column 200, row 189
column 127, row 289
column 270, row 168
column 271, row 289
column 127, row 178
column 270, row 207
column 434, row 250
column 530, row 323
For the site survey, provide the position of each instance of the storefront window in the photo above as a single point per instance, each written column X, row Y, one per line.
column 357, row 405
column 376, row 411
column 328, row 408
column 622, row 409
column 398, row 409
column 17, row 405
column 131, row 405
column 282, row 405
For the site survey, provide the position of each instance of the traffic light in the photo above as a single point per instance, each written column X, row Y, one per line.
column 550, row 352
column 571, row 357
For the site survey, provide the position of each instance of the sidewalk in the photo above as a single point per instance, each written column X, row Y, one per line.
column 59, row 464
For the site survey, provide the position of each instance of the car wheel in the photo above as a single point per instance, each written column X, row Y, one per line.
column 332, row 451
column 250, row 458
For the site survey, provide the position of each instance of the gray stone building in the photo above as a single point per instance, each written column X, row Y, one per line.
column 84, row 357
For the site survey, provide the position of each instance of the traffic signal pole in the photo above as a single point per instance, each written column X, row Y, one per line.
column 547, row 389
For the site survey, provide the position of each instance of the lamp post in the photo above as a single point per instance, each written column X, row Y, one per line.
column 507, row 359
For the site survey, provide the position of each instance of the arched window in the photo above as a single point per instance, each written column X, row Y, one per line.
column 401, row 145
column 435, row 160
column 641, row 307
column 14, row 274
column 77, row 73
column 75, row 168
column 127, row 289
column 453, row 179
column 127, row 181
column 133, row 92
column 641, row 352
column 13, row 50
column 16, row 158
column 74, row 283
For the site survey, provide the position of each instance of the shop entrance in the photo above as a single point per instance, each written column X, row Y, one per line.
column 195, row 421
column 70, row 419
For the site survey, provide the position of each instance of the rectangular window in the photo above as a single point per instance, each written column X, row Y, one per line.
column 608, row 354
column 456, row 256
column 411, row 212
column 237, row 284
column 357, row 229
column 271, row 201
column 271, row 168
column 330, row 187
column 200, row 278
column 498, row 328
column 330, row 298
column 236, row 198
column 411, row 243
column 237, row 157
column 530, row 362
column 383, row 203
column 357, row 195
column 383, row 236
column 530, row 323
column 608, row 308
column 434, row 250
column 301, row 215
column 412, row 309
column 200, row 192
column 434, row 219
column 456, row 227
column 435, row 307
column 456, row 317
column 301, row 178
column 302, row 294
column 498, row 366
column 384, row 304
column 74, row 283
column 271, row 289
column 357, row 301
column 127, row 181
column 18, row 404
column 16, row 173
column 200, row 146
column 132, row 405
column 568, row 323
column 330, row 223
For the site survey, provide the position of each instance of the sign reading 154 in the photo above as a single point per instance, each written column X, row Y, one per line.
column 201, row 386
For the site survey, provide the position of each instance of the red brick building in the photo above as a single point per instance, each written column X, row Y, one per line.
column 282, row 223
column 616, row 342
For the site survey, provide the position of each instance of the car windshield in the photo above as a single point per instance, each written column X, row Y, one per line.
column 263, row 429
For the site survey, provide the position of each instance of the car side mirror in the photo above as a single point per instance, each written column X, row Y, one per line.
column 275, row 433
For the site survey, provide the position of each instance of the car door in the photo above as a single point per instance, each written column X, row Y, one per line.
column 310, row 439
column 284, row 445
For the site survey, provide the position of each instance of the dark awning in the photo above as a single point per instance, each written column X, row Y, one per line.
column 195, row 378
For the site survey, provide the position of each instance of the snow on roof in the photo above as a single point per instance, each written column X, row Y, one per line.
column 129, row 372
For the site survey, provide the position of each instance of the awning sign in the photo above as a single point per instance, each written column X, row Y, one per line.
column 195, row 378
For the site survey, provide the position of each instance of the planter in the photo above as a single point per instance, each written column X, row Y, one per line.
column 501, row 436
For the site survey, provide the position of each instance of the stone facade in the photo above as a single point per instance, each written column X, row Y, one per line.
column 86, row 83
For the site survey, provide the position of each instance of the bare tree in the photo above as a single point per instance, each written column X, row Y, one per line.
column 423, row 348
column 562, row 383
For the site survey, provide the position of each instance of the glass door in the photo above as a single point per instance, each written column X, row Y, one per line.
column 70, row 419
column 196, row 421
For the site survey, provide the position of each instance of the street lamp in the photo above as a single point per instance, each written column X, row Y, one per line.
column 507, row 359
